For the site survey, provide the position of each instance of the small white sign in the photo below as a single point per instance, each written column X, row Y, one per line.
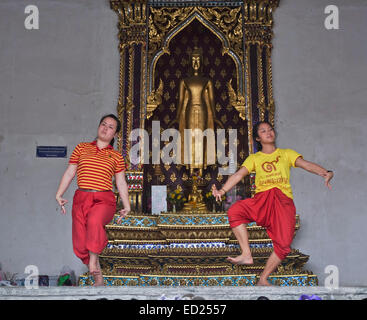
column 159, row 199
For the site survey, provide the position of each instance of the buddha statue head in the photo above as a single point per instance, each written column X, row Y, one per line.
column 196, row 59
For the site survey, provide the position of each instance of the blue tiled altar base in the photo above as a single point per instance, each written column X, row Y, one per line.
column 149, row 222
column 189, row 220
column 193, row 220
column 198, row 281
column 174, row 281
column 110, row 281
column 290, row 281
column 131, row 221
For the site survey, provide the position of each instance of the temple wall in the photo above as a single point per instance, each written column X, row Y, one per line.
column 320, row 94
column 56, row 83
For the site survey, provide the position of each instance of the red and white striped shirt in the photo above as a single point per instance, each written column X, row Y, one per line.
column 96, row 167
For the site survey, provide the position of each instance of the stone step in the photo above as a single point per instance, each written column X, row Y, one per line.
column 170, row 293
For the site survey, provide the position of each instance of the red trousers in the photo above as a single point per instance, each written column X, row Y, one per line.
column 91, row 212
column 270, row 209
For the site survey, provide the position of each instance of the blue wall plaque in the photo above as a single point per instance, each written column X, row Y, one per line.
column 51, row 152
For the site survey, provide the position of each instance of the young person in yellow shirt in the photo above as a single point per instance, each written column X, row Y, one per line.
column 272, row 206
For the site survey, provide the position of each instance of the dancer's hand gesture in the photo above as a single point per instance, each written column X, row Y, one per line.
column 217, row 194
column 62, row 202
column 328, row 176
column 123, row 214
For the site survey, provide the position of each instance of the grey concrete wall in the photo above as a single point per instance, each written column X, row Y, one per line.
column 320, row 94
column 56, row 82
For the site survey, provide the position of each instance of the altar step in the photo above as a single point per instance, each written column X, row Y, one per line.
column 197, row 266
column 171, row 293
column 181, row 226
column 200, row 280
column 190, row 249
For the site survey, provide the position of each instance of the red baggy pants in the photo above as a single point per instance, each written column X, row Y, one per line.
column 271, row 209
column 91, row 212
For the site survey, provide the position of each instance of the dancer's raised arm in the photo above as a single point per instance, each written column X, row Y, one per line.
column 230, row 183
column 316, row 169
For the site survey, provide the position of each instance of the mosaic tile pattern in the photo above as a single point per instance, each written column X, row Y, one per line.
column 134, row 221
column 292, row 281
column 110, row 281
column 249, row 280
column 193, row 220
column 236, row 280
column 189, row 220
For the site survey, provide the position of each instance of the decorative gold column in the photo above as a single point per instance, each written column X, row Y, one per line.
column 260, row 81
column 120, row 105
column 132, row 35
column 269, row 73
column 131, row 105
column 258, row 16
column 129, row 99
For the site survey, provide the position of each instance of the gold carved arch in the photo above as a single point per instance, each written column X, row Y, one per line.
column 224, row 22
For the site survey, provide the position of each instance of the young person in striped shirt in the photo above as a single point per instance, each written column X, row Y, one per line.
column 272, row 206
column 94, row 203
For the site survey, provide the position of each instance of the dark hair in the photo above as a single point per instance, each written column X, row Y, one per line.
column 256, row 135
column 118, row 122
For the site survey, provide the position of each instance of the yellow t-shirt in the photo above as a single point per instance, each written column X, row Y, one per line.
column 272, row 170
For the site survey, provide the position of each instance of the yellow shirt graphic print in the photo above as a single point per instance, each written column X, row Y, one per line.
column 272, row 170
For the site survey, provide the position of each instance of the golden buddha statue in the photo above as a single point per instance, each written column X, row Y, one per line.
column 195, row 110
column 195, row 199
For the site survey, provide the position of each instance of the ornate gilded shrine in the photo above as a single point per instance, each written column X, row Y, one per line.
column 156, row 42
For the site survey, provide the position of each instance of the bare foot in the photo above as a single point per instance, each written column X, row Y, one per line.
column 241, row 260
column 263, row 283
column 98, row 276
column 93, row 268
column 98, row 279
column 93, row 263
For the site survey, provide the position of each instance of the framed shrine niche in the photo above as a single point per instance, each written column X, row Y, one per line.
column 156, row 39
column 167, row 69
